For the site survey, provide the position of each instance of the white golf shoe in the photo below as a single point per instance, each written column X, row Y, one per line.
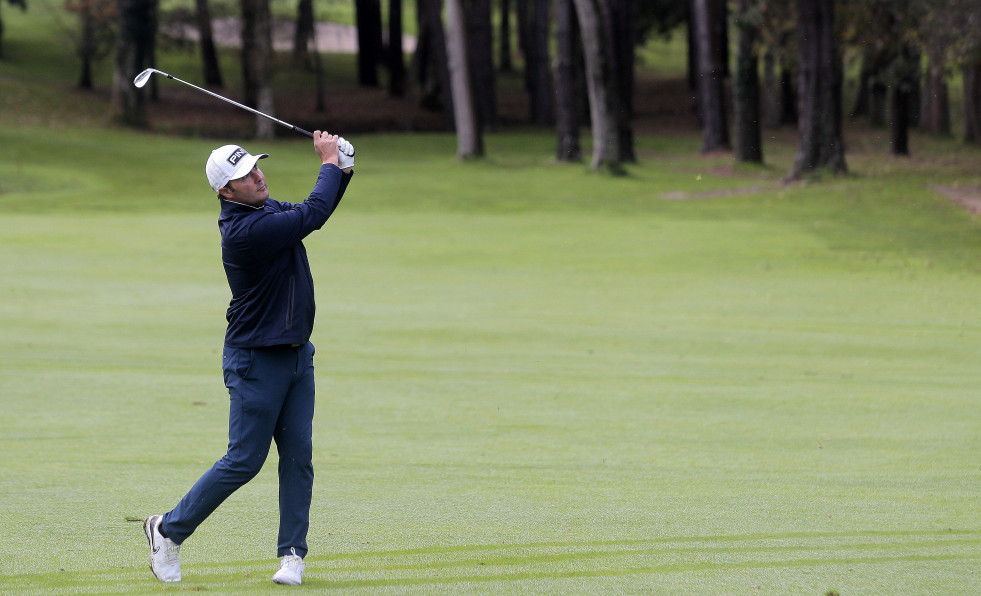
column 290, row 570
column 165, row 562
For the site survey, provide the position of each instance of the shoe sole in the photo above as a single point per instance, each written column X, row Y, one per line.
column 282, row 582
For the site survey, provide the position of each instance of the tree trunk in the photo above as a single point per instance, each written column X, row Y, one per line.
column 771, row 96
column 972, row 101
column 443, row 63
column 878, row 65
column 249, row 55
column 368, row 17
column 935, row 117
column 481, row 48
column 544, row 88
column 622, row 35
column 902, row 98
column 522, row 21
column 533, row 33
column 916, row 85
column 85, row 77
column 209, row 56
column 257, row 62
column 749, row 144
column 692, row 45
column 899, row 126
column 469, row 141
column 878, row 103
column 820, row 143
column 396, row 56
column 421, row 61
column 504, row 49
column 87, row 44
column 601, row 84
column 151, row 43
column 133, row 51
column 719, row 23
column 862, row 105
column 711, row 89
column 318, row 69
column 788, row 97
column 713, row 12
column 303, row 33
column 567, row 75
column 431, row 61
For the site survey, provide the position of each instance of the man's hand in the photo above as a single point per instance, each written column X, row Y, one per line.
column 345, row 158
column 325, row 144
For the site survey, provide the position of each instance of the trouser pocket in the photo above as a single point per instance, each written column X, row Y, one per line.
column 236, row 364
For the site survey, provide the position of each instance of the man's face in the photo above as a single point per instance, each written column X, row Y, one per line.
column 250, row 189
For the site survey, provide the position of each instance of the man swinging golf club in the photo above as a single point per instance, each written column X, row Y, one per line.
column 267, row 359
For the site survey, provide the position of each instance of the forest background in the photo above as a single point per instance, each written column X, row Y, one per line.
column 757, row 64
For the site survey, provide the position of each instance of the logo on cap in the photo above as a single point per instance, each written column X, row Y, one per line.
column 236, row 155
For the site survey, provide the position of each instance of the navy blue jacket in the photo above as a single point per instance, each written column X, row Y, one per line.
column 266, row 264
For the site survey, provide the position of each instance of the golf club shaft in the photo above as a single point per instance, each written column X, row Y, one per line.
column 236, row 104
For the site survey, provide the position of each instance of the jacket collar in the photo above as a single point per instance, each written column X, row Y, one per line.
column 234, row 206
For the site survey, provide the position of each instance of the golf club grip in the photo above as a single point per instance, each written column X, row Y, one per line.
column 306, row 132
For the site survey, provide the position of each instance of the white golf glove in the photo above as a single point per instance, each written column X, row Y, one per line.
column 345, row 154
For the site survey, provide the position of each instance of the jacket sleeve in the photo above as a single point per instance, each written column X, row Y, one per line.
column 275, row 231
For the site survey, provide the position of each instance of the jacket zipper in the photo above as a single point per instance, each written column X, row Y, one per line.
column 289, row 305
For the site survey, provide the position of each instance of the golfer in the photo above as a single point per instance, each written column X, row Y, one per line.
column 267, row 358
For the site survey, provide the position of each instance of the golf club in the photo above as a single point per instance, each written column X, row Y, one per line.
column 142, row 78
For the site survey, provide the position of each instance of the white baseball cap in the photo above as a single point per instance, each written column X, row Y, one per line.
column 229, row 162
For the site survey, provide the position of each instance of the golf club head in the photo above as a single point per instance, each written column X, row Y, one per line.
column 142, row 78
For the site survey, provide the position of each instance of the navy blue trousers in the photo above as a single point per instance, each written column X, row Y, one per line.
column 271, row 394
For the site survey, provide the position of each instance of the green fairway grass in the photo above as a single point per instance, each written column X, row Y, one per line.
column 532, row 378
column 694, row 379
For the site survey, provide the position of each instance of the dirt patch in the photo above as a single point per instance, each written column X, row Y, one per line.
column 966, row 196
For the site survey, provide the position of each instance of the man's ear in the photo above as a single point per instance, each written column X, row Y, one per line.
column 226, row 192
